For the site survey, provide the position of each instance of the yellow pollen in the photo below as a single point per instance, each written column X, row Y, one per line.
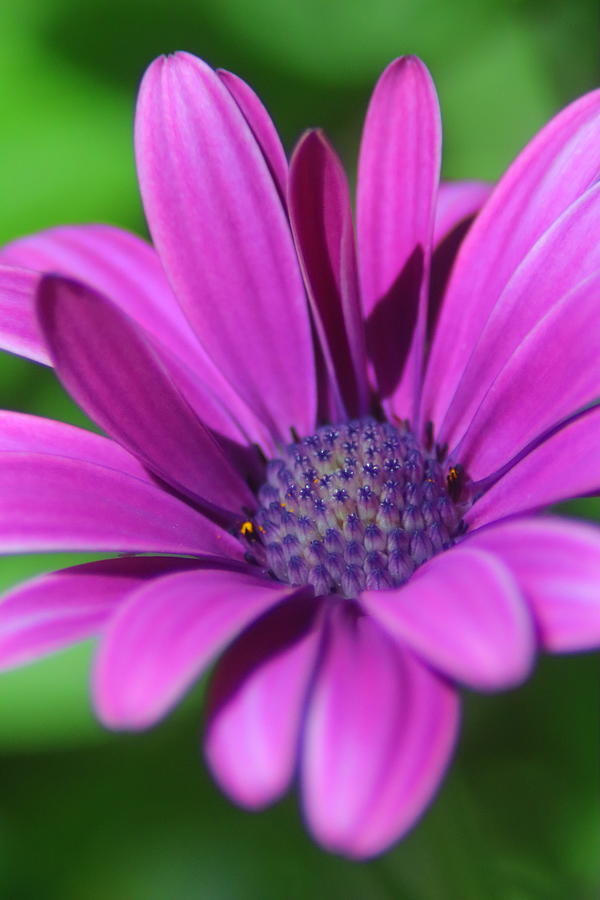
column 247, row 528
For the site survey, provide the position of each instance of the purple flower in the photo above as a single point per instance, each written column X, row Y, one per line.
column 416, row 405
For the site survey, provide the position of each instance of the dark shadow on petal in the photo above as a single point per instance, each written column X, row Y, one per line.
column 391, row 324
column 441, row 266
column 272, row 634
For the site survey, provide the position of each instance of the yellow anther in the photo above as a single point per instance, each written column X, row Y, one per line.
column 247, row 528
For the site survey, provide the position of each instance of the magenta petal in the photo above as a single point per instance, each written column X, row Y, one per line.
column 20, row 432
column 127, row 270
column 262, row 126
column 457, row 201
column 558, row 165
column 117, row 264
column 50, row 503
column 19, row 331
column 565, row 255
column 165, row 634
column 110, row 370
column 462, row 611
column 223, row 236
column 458, row 204
column 37, row 514
column 321, row 216
column 566, row 464
column 557, row 565
column 553, row 372
column 379, row 731
column 257, row 701
column 397, row 184
column 54, row 611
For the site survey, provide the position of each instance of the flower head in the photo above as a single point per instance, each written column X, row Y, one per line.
column 324, row 457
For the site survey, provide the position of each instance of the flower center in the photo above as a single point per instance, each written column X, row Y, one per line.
column 354, row 507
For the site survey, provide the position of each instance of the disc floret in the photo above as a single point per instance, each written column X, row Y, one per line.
column 356, row 506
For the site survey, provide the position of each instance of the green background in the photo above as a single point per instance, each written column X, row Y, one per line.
column 85, row 814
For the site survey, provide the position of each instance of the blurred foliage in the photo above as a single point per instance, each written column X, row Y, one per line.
column 87, row 815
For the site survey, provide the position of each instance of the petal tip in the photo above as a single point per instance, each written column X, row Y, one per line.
column 312, row 140
column 403, row 63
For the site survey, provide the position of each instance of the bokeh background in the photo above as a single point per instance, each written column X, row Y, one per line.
column 86, row 815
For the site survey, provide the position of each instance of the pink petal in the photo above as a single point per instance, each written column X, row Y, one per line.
column 558, row 165
column 564, row 256
column 379, row 731
column 108, row 367
column 20, row 432
column 457, row 201
column 397, row 183
column 557, row 566
column 127, row 270
column 165, row 634
column 19, row 332
column 262, row 127
column 566, row 464
column 457, row 205
column 257, row 701
column 54, row 611
column 463, row 612
column 321, row 216
column 116, row 263
column 222, row 234
column 553, row 372
column 52, row 503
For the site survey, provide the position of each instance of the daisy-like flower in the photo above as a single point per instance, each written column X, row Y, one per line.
column 322, row 464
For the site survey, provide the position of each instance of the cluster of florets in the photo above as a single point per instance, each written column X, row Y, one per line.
column 356, row 506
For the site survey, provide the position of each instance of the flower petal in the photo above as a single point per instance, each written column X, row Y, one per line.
column 165, row 634
column 116, row 263
column 53, row 503
column 397, row 183
column 556, row 167
column 30, row 443
column 321, row 216
column 564, row 256
column 256, row 704
column 557, row 566
column 223, row 237
column 19, row 331
column 54, row 611
column 457, row 201
column 379, row 731
column 262, row 127
column 553, row 372
column 462, row 611
column 20, row 432
column 107, row 366
column 565, row 464
column 127, row 270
